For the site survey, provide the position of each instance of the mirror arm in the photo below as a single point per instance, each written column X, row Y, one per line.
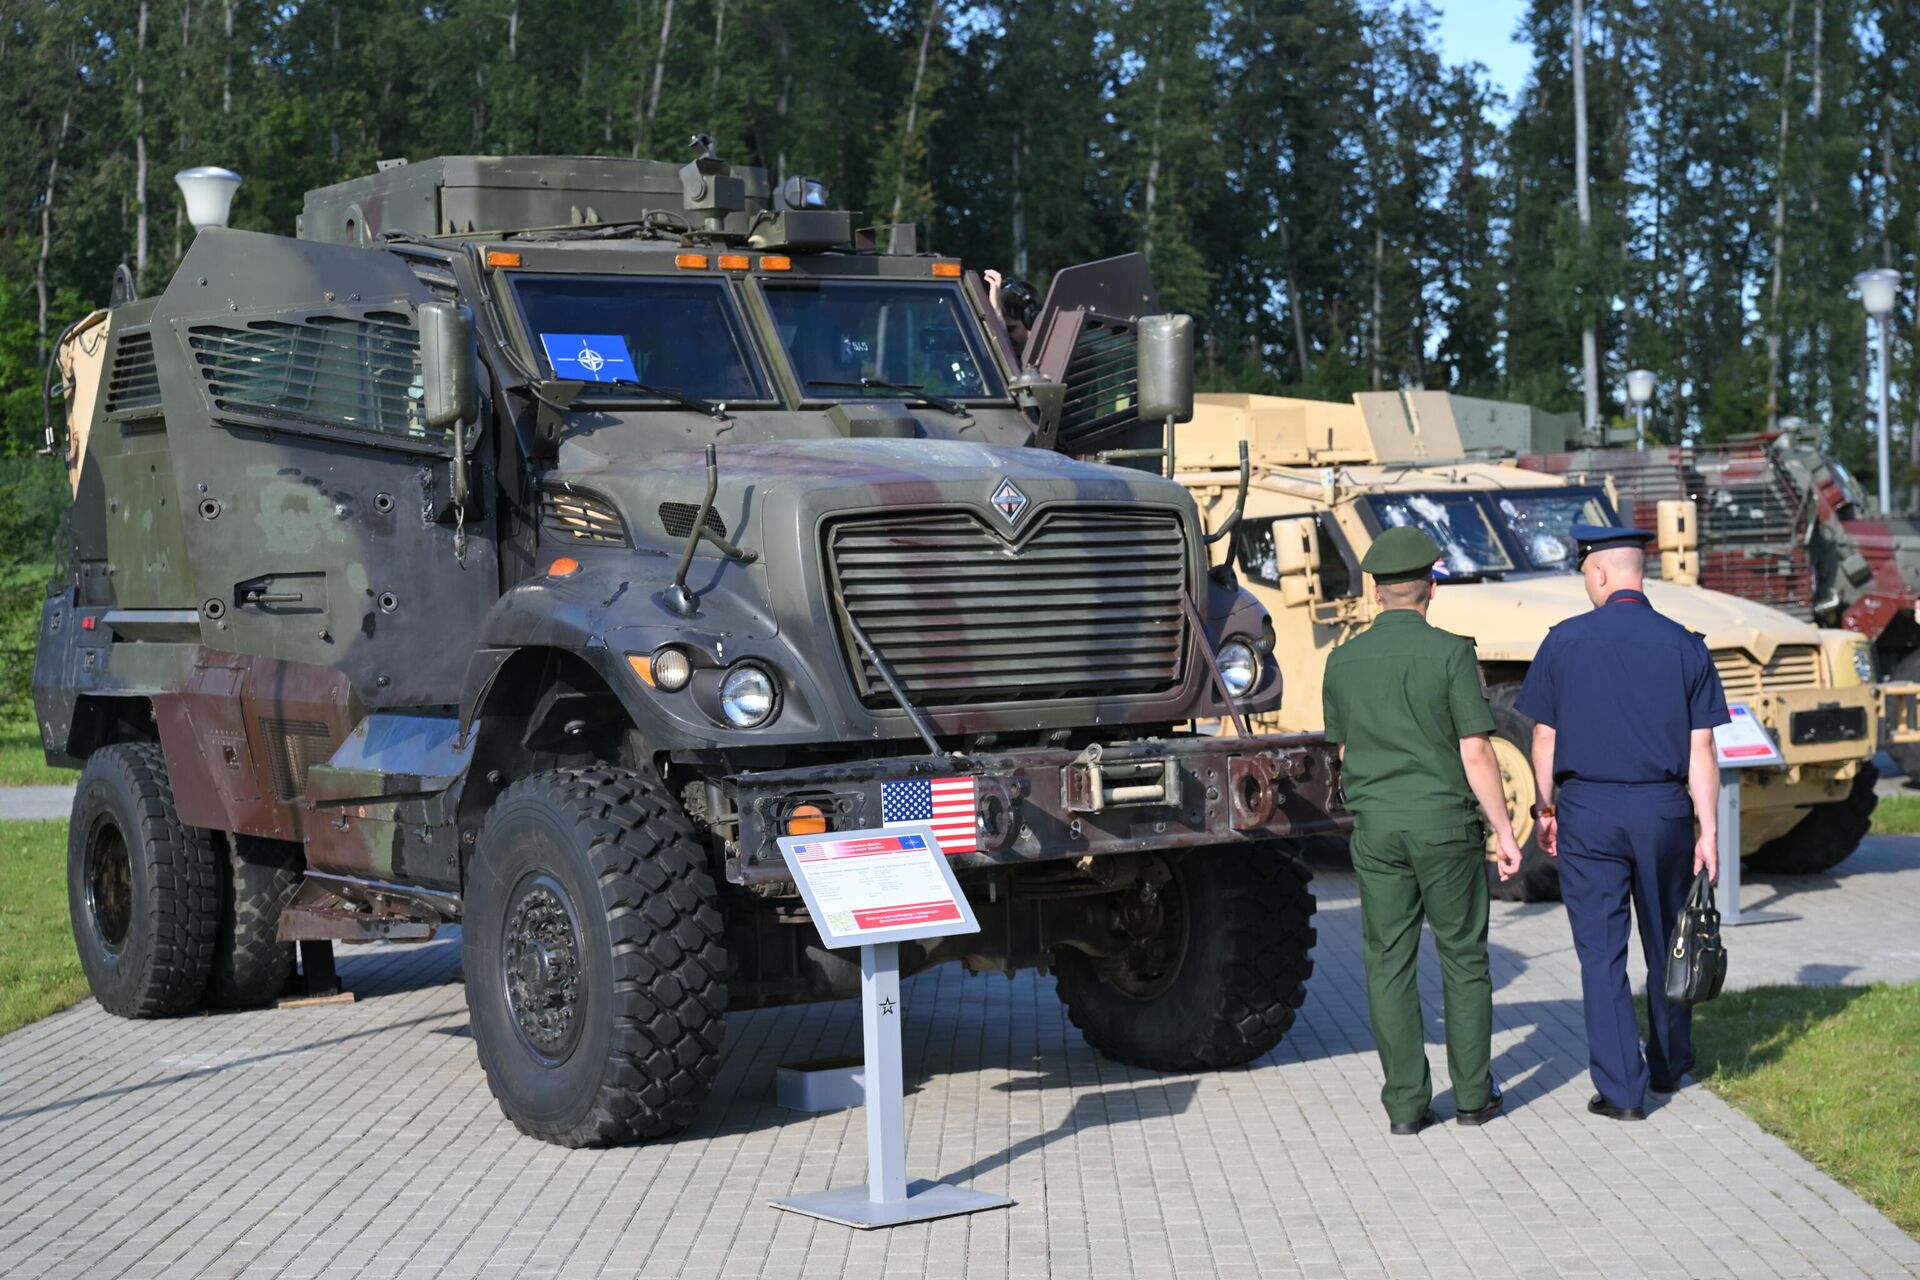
column 1239, row 501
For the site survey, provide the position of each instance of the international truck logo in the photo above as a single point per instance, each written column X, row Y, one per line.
column 1009, row 501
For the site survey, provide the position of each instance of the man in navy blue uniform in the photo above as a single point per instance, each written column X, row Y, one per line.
column 1624, row 702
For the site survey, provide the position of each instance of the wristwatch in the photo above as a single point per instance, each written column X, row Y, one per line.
column 1541, row 811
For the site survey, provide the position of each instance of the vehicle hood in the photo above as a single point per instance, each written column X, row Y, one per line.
column 1507, row 620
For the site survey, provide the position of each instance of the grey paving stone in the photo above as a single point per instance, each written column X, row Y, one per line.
column 361, row 1139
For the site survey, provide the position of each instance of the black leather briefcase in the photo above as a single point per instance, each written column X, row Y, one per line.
column 1696, row 958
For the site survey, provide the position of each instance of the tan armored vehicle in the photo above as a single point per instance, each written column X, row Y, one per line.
column 1326, row 478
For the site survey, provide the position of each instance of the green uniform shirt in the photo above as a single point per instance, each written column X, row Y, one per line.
column 1401, row 695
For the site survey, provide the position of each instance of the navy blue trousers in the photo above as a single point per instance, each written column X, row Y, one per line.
column 1621, row 848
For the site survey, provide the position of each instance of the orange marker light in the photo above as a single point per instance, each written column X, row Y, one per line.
column 947, row 270
column 735, row 262
column 776, row 262
column 806, row 820
column 563, row 567
column 502, row 258
column 690, row 261
column 642, row 666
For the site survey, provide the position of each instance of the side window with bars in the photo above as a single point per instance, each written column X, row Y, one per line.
column 358, row 371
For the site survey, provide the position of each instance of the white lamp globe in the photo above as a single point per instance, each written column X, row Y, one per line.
column 208, row 191
column 1879, row 289
column 1640, row 385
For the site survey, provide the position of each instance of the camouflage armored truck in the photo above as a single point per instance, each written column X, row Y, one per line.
column 529, row 543
column 1326, row 478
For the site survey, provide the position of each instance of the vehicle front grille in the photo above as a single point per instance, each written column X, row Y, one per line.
column 1791, row 667
column 1087, row 602
column 572, row 516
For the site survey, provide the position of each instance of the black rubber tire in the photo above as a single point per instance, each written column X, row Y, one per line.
column 1824, row 838
column 1240, row 982
column 250, row 963
column 169, row 911
column 1538, row 879
column 612, row 845
column 1908, row 756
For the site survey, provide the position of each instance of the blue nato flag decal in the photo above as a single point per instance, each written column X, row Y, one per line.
column 590, row 357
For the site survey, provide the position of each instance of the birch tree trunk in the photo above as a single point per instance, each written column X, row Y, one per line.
column 140, row 155
column 226, row 66
column 659, row 71
column 1019, row 201
column 1589, row 344
column 719, row 34
column 40, row 290
column 913, row 108
column 1153, row 163
column 1779, row 229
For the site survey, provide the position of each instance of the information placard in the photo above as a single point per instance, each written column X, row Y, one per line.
column 865, row 887
column 1744, row 742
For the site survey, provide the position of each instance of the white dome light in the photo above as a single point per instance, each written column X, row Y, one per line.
column 209, row 194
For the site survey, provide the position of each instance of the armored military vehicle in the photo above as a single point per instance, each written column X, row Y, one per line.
column 1781, row 523
column 529, row 543
column 1327, row 478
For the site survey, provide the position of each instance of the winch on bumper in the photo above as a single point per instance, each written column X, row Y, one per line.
column 1035, row 805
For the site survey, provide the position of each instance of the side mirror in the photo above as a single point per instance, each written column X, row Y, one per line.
column 1164, row 369
column 446, row 365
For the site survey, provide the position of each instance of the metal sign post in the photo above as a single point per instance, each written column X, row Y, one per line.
column 1741, row 744
column 877, row 889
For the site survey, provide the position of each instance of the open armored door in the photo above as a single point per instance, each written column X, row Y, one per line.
column 320, row 526
column 1084, row 339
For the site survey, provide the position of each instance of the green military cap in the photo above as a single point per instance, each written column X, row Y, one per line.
column 1401, row 555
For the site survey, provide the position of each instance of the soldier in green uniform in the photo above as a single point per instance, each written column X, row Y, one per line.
column 1405, row 702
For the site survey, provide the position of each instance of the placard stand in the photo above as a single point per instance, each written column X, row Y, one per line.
column 835, row 875
column 887, row 1199
column 1741, row 744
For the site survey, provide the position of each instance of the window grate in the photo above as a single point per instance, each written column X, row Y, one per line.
column 578, row 517
column 349, row 371
column 134, row 383
column 677, row 519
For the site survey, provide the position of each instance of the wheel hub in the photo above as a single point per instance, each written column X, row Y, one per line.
column 1517, row 785
column 1152, row 918
column 540, row 955
column 110, row 887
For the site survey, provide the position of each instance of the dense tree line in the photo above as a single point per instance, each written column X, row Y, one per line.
column 1338, row 204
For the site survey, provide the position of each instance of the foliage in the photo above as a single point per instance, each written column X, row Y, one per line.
column 1834, row 1072
column 1338, row 205
column 39, row 968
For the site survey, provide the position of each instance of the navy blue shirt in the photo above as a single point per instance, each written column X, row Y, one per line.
column 1623, row 687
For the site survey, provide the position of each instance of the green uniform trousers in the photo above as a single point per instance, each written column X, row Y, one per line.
column 1440, row 876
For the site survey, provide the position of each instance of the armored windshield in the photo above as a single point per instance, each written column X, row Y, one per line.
column 1498, row 531
column 881, row 339
column 683, row 335
column 1459, row 522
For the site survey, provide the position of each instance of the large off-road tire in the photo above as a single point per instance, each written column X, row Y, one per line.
column 1908, row 756
column 250, row 963
column 1217, row 967
column 143, row 890
column 1538, row 879
column 594, row 956
column 1822, row 840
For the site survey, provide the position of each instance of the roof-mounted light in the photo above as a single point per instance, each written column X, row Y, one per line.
column 801, row 192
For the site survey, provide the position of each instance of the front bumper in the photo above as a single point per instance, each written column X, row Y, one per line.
column 1822, row 726
column 1038, row 805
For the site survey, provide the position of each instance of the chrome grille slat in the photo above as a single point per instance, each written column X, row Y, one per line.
column 1087, row 601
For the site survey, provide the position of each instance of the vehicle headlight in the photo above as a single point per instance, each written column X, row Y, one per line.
column 1863, row 663
column 748, row 696
column 1239, row 667
column 671, row 669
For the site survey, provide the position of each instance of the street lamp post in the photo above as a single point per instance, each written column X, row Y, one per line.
column 1640, row 385
column 1879, row 289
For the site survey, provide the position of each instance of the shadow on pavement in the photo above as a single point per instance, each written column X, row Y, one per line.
column 253, row 1059
column 1108, row 1108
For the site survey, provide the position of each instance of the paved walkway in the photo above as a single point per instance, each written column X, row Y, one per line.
column 36, row 802
column 361, row 1140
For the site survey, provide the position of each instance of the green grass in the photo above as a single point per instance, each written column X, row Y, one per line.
column 1834, row 1072
column 39, row 971
column 22, row 763
column 1897, row 816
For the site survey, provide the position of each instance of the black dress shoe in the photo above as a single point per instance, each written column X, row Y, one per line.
column 1411, row 1127
column 1480, row 1115
column 1601, row 1107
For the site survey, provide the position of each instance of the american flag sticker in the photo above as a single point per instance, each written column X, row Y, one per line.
column 945, row 804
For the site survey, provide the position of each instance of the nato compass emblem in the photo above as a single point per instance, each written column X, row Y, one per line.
column 1009, row 501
